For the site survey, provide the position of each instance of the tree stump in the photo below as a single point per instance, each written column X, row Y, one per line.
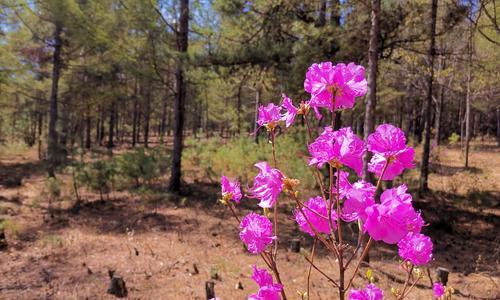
column 117, row 285
column 210, row 289
column 442, row 275
column 3, row 240
column 295, row 245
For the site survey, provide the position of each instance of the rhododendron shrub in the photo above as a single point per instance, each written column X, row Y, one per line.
column 389, row 218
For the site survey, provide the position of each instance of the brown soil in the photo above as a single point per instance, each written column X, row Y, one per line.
column 63, row 255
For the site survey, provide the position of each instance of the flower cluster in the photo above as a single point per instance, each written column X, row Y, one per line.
column 230, row 190
column 438, row 289
column 267, row 185
column 371, row 292
column 314, row 213
column 256, row 232
column 391, row 218
column 388, row 143
column 268, row 290
column 335, row 86
column 340, row 148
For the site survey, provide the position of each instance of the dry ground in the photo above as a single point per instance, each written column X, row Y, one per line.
column 61, row 255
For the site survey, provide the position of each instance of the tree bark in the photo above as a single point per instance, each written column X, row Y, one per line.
column 180, row 97
column 111, row 129
column 335, row 12
column 467, row 99
column 257, row 103
column 424, row 171
column 498, row 126
column 88, row 140
column 53, row 147
column 371, row 97
column 147, row 116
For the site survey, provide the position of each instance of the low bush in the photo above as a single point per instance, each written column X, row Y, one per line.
column 237, row 157
column 141, row 166
column 98, row 176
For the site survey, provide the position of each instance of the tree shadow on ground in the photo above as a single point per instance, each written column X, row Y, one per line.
column 12, row 174
column 445, row 170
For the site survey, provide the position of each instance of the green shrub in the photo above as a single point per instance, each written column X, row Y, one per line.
column 454, row 138
column 140, row 166
column 98, row 176
column 237, row 156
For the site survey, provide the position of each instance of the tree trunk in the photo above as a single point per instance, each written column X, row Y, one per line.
column 338, row 120
column 498, row 126
column 147, row 116
column 335, row 12
column 180, row 97
column 53, row 147
column 163, row 123
column 88, row 128
column 424, row 172
column 111, row 129
column 467, row 99
column 101, row 130
column 439, row 114
column 65, row 123
column 371, row 97
column 134, row 121
column 40, row 127
column 321, row 21
column 257, row 103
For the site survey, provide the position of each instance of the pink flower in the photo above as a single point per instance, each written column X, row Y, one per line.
column 388, row 143
column 341, row 147
column 344, row 185
column 267, row 289
column 291, row 111
column 416, row 248
column 316, row 212
column 256, row 232
column 269, row 115
column 414, row 221
column 399, row 193
column 371, row 292
column 267, row 185
column 438, row 289
column 335, row 87
column 360, row 196
column 230, row 190
column 393, row 218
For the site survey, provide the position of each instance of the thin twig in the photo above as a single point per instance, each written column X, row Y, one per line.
column 310, row 267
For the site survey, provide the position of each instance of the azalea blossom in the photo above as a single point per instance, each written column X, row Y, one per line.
column 438, row 289
column 393, row 218
column 344, row 184
column 388, row 144
column 335, row 86
column 267, row 289
column 399, row 193
column 371, row 292
column 316, row 212
column 267, row 185
column 414, row 221
column 416, row 248
column 359, row 196
column 230, row 190
column 291, row 111
column 269, row 115
column 256, row 232
column 341, row 147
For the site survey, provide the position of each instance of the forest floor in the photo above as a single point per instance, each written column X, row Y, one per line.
column 169, row 250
